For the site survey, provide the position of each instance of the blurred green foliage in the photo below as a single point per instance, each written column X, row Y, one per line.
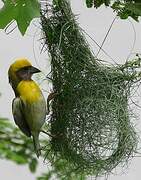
column 15, row 146
column 124, row 8
column 23, row 11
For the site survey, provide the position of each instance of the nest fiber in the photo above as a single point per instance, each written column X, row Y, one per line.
column 90, row 118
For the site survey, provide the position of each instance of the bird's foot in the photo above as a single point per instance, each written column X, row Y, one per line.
column 50, row 97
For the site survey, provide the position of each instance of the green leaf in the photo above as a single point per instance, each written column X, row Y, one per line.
column 98, row 3
column 23, row 11
column 16, row 158
column 89, row 3
column 47, row 176
column 134, row 7
column 33, row 165
column 7, row 13
column 28, row 10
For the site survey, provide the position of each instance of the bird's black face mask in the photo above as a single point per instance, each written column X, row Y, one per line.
column 25, row 73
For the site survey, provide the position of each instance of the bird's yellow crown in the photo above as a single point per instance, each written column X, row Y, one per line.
column 18, row 64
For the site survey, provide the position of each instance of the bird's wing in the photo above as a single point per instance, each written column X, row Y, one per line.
column 17, row 110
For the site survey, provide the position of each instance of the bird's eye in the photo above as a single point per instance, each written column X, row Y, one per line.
column 24, row 69
column 23, row 73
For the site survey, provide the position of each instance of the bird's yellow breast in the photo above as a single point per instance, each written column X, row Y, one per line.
column 29, row 91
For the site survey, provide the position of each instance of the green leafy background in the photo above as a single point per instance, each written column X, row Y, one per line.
column 23, row 11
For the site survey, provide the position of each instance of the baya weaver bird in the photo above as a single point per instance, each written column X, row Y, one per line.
column 29, row 105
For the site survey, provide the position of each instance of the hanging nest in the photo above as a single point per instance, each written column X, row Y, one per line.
column 90, row 117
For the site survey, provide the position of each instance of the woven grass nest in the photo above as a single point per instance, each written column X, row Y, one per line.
column 90, row 114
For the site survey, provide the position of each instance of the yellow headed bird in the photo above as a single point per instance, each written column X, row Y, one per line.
column 29, row 106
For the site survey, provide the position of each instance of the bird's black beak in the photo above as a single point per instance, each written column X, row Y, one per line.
column 33, row 70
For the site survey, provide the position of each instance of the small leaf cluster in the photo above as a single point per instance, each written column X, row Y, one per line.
column 124, row 8
column 15, row 146
column 97, row 3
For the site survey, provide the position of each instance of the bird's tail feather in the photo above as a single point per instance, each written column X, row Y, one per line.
column 36, row 144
